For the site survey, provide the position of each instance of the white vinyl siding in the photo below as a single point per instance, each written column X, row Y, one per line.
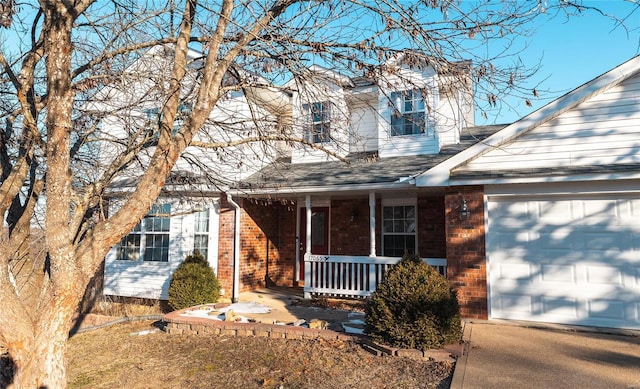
column 364, row 132
column 145, row 279
column 600, row 131
column 394, row 145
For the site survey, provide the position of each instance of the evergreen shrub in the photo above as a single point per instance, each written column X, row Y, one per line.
column 413, row 307
column 193, row 283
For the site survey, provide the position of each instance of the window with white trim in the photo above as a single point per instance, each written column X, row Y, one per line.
column 201, row 234
column 398, row 230
column 408, row 115
column 318, row 129
column 149, row 240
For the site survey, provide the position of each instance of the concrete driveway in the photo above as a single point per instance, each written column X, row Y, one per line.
column 515, row 356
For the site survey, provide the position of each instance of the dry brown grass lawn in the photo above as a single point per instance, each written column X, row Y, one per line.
column 115, row 357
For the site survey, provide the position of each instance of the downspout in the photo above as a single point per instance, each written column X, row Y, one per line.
column 236, row 250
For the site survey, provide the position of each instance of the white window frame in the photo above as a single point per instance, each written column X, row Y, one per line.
column 409, row 110
column 318, row 128
column 206, row 234
column 141, row 230
column 400, row 202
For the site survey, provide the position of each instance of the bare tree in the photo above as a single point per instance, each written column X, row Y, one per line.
column 63, row 63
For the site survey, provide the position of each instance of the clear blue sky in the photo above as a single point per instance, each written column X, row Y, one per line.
column 576, row 50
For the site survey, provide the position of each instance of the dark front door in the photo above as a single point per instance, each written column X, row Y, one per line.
column 319, row 234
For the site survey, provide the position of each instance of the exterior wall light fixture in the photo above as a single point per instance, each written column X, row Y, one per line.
column 354, row 214
column 464, row 210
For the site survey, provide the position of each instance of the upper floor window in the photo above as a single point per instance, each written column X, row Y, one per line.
column 149, row 240
column 154, row 116
column 318, row 129
column 408, row 114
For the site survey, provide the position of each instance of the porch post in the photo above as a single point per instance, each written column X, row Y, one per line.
column 308, row 237
column 372, row 224
column 307, row 264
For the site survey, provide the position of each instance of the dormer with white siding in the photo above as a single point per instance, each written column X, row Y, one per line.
column 421, row 109
column 409, row 108
column 320, row 116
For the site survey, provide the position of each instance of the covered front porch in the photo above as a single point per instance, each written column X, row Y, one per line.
column 346, row 244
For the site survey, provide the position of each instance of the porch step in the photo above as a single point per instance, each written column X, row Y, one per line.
column 355, row 324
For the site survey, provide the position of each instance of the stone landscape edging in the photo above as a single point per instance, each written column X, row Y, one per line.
column 178, row 324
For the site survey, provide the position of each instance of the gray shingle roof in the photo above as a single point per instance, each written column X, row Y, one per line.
column 363, row 168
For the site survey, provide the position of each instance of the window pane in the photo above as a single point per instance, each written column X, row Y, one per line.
column 317, row 229
column 388, row 225
column 129, row 248
column 408, row 117
column 202, row 221
column 409, row 212
column 409, row 226
column 319, row 125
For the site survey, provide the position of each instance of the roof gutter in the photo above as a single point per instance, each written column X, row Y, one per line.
column 402, row 183
column 236, row 250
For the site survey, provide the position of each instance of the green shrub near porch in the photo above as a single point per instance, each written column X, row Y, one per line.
column 413, row 307
column 193, row 283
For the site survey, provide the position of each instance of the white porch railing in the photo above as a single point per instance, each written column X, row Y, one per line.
column 351, row 276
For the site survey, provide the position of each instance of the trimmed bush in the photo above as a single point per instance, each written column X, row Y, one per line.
column 413, row 307
column 193, row 283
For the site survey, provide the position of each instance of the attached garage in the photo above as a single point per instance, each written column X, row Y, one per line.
column 564, row 258
column 557, row 236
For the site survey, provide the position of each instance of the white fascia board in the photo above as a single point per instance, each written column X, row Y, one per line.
column 439, row 174
column 545, row 179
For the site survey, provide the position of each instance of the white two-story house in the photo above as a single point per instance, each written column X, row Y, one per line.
column 536, row 220
column 347, row 207
column 346, row 189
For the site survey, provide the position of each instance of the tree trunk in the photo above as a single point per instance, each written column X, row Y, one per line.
column 40, row 363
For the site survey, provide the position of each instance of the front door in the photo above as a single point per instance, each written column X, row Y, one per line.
column 319, row 234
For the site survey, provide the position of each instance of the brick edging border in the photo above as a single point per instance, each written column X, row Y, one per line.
column 180, row 325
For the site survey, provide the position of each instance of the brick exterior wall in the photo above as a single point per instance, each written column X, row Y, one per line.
column 352, row 238
column 432, row 242
column 349, row 237
column 225, row 248
column 267, row 245
column 466, row 259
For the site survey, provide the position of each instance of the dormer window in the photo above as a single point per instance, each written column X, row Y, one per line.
column 319, row 125
column 408, row 113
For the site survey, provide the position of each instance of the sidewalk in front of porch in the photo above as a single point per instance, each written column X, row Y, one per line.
column 287, row 305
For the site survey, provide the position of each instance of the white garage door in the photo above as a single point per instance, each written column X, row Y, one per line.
column 565, row 259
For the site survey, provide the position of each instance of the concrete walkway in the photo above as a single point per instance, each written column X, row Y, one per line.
column 284, row 309
column 515, row 356
column 500, row 354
